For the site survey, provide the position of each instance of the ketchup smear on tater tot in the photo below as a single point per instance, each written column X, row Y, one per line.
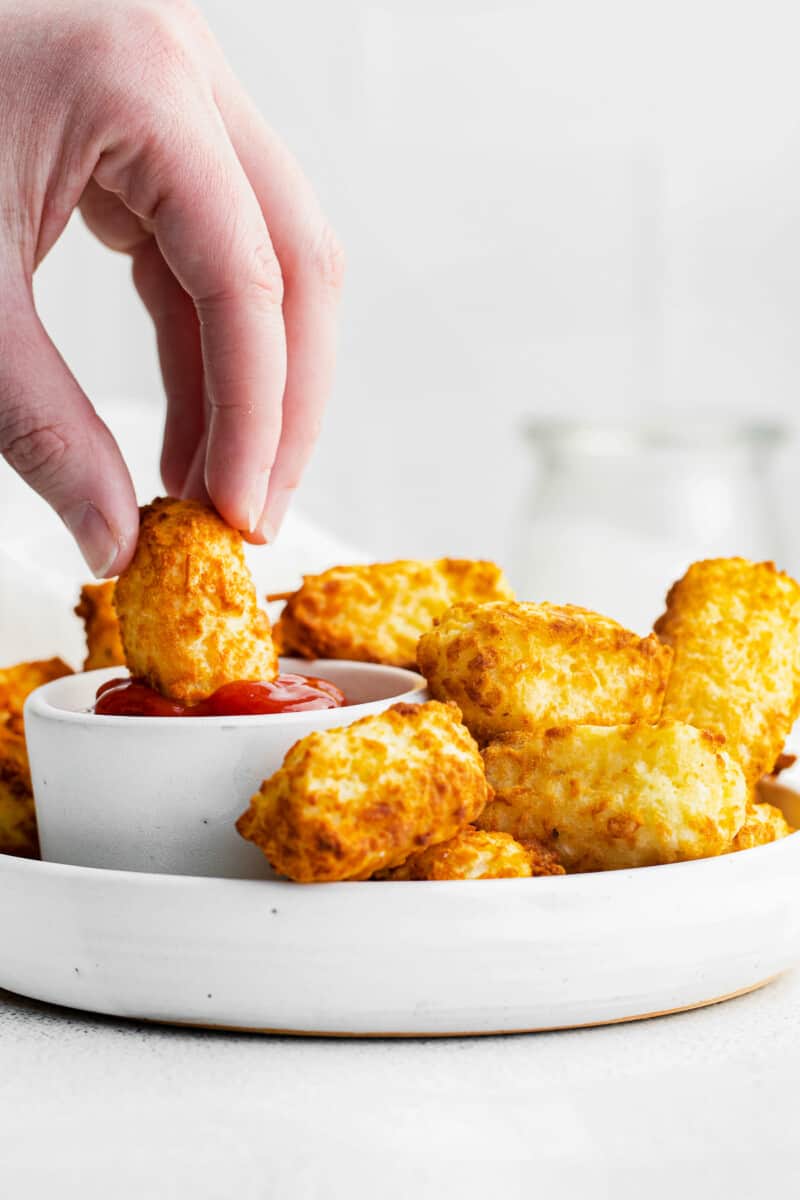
column 286, row 694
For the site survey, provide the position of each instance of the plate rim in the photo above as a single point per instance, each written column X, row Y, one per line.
column 584, row 881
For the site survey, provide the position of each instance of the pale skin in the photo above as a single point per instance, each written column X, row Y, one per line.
column 127, row 110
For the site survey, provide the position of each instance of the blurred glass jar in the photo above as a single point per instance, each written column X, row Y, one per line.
column 616, row 514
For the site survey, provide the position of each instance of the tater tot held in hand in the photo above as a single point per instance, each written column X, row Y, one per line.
column 188, row 614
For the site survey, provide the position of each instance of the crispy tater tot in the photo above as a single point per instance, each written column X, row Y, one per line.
column 376, row 613
column 618, row 796
column 17, row 814
column 735, row 629
column 524, row 666
column 188, row 615
column 786, row 799
column 96, row 610
column 763, row 823
column 477, row 854
column 349, row 802
column 17, row 683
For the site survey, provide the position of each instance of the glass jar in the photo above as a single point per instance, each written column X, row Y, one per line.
column 616, row 514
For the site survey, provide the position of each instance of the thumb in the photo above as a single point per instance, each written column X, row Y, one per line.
column 53, row 438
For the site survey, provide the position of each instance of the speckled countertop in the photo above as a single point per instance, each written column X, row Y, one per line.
column 698, row 1104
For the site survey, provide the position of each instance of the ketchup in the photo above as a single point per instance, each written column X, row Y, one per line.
column 287, row 693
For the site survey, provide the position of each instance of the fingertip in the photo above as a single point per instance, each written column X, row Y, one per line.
column 58, row 444
column 257, row 498
column 238, row 497
column 173, row 478
column 234, row 512
column 127, row 535
column 125, row 551
column 194, row 485
column 275, row 510
column 255, row 537
column 107, row 544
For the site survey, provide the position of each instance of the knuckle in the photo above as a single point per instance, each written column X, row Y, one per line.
column 153, row 24
column 163, row 65
column 146, row 59
column 132, row 64
column 266, row 277
column 328, row 259
column 262, row 286
column 93, row 40
column 114, row 38
column 230, row 405
column 35, row 449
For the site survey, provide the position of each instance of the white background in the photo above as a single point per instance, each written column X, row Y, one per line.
column 572, row 207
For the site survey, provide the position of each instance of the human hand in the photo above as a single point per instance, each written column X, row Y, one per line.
column 127, row 109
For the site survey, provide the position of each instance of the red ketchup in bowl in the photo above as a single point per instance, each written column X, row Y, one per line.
column 286, row 694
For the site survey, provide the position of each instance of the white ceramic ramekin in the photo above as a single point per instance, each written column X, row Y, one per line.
column 162, row 793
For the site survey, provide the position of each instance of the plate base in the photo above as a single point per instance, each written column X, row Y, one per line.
column 395, row 1034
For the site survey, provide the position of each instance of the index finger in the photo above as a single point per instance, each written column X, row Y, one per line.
column 212, row 234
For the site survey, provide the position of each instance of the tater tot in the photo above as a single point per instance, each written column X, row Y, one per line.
column 734, row 627
column 783, row 763
column 17, row 683
column 477, row 854
column 763, row 824
column 352, row 801
column 376, row 613
column 96, row 610
column 525, row 666
column 188, row 615
column 620, row 796
column 17, row 813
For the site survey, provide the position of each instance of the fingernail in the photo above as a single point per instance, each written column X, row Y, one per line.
column 90, row 529
column 258, row 498
column 273, row 518
column 268, row 532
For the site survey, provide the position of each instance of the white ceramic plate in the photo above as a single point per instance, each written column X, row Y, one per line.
column 400, row 958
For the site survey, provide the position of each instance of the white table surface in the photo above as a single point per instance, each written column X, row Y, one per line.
column 698, row 1104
